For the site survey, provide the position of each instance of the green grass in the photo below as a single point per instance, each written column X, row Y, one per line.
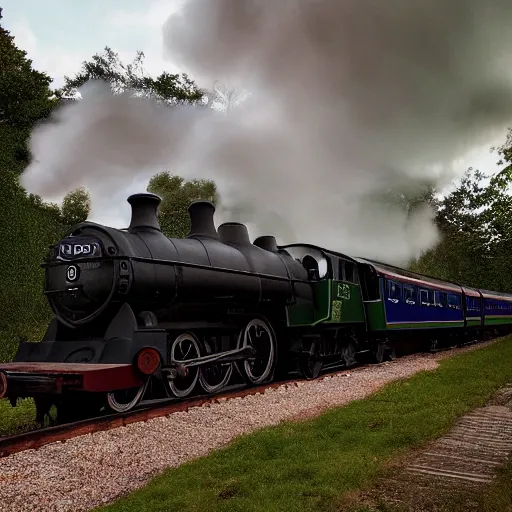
column 311, row 465
column 15, row 420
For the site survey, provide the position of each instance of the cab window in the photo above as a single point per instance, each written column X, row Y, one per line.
column 350, row 272
column 347, row 271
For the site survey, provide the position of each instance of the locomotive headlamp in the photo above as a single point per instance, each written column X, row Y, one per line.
column 3, row 384
column 148, row 360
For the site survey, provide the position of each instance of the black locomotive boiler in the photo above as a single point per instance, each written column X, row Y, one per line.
column 132, row 307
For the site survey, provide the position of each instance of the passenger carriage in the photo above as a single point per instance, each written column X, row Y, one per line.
column 497, row 310
column 403, row 303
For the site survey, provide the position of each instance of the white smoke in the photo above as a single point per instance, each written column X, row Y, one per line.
column 349, row 98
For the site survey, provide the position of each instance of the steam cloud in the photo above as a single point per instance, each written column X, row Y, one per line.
column 349, row 98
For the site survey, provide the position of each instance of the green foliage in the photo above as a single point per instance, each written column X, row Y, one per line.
column 19, row 419
column 76, row 207
column 29, row 226
column 177, row 194
column 107, row 66
column 475, row 221
column 311, row 465
column 25, row 95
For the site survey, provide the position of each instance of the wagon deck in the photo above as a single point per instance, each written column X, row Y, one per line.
column 54, row 377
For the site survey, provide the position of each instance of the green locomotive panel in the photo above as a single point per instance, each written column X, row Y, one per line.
column 375, row 315
column 336, row 302
column 347, row 303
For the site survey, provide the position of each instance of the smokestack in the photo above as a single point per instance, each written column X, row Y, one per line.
column 144, row 212
column 201, row 220
column 268, row 243
column 234, row 233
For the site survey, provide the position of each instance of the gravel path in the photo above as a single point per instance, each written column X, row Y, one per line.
column 94, row 469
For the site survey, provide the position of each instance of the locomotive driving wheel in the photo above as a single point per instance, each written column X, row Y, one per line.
column 125, row 400
column 214, row 377
column 310, row 365
column 184, row 347
column 259, row 335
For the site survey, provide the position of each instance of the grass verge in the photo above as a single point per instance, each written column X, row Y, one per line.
column 311, row 465
column 15, row 420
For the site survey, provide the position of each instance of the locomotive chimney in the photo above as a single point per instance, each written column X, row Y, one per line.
column 268, row 243
column 144, row 212
column 201, row 219
column 234, row 233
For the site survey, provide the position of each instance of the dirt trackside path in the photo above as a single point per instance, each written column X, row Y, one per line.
column 453, row 472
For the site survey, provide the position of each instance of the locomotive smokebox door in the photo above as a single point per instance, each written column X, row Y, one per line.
column 72, row 273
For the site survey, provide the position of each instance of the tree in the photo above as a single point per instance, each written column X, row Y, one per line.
column 505, row 151
column 171, row 88
column 177, row 194
column 25, row 95
column 75, row 207
column 476, row 234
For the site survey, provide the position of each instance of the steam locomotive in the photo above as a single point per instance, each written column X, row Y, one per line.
column 139, row 315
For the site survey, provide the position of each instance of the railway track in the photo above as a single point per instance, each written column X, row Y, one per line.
column 155, row 408
column 148, row 410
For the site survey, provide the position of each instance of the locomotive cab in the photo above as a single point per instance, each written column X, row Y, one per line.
column 315, row 262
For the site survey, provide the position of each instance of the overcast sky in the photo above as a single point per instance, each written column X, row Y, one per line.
column 60, row 34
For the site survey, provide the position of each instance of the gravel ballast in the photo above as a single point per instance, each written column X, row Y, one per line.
column 94, row 469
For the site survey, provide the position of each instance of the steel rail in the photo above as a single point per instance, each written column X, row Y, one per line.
column 150, row 409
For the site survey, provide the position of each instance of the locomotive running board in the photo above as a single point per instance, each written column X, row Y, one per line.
column 28, row 379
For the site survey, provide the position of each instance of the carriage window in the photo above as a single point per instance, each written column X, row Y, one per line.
column 394, row 291
column 409, row 295
column 427, row 297
column 440, row 299
column 453, row 301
